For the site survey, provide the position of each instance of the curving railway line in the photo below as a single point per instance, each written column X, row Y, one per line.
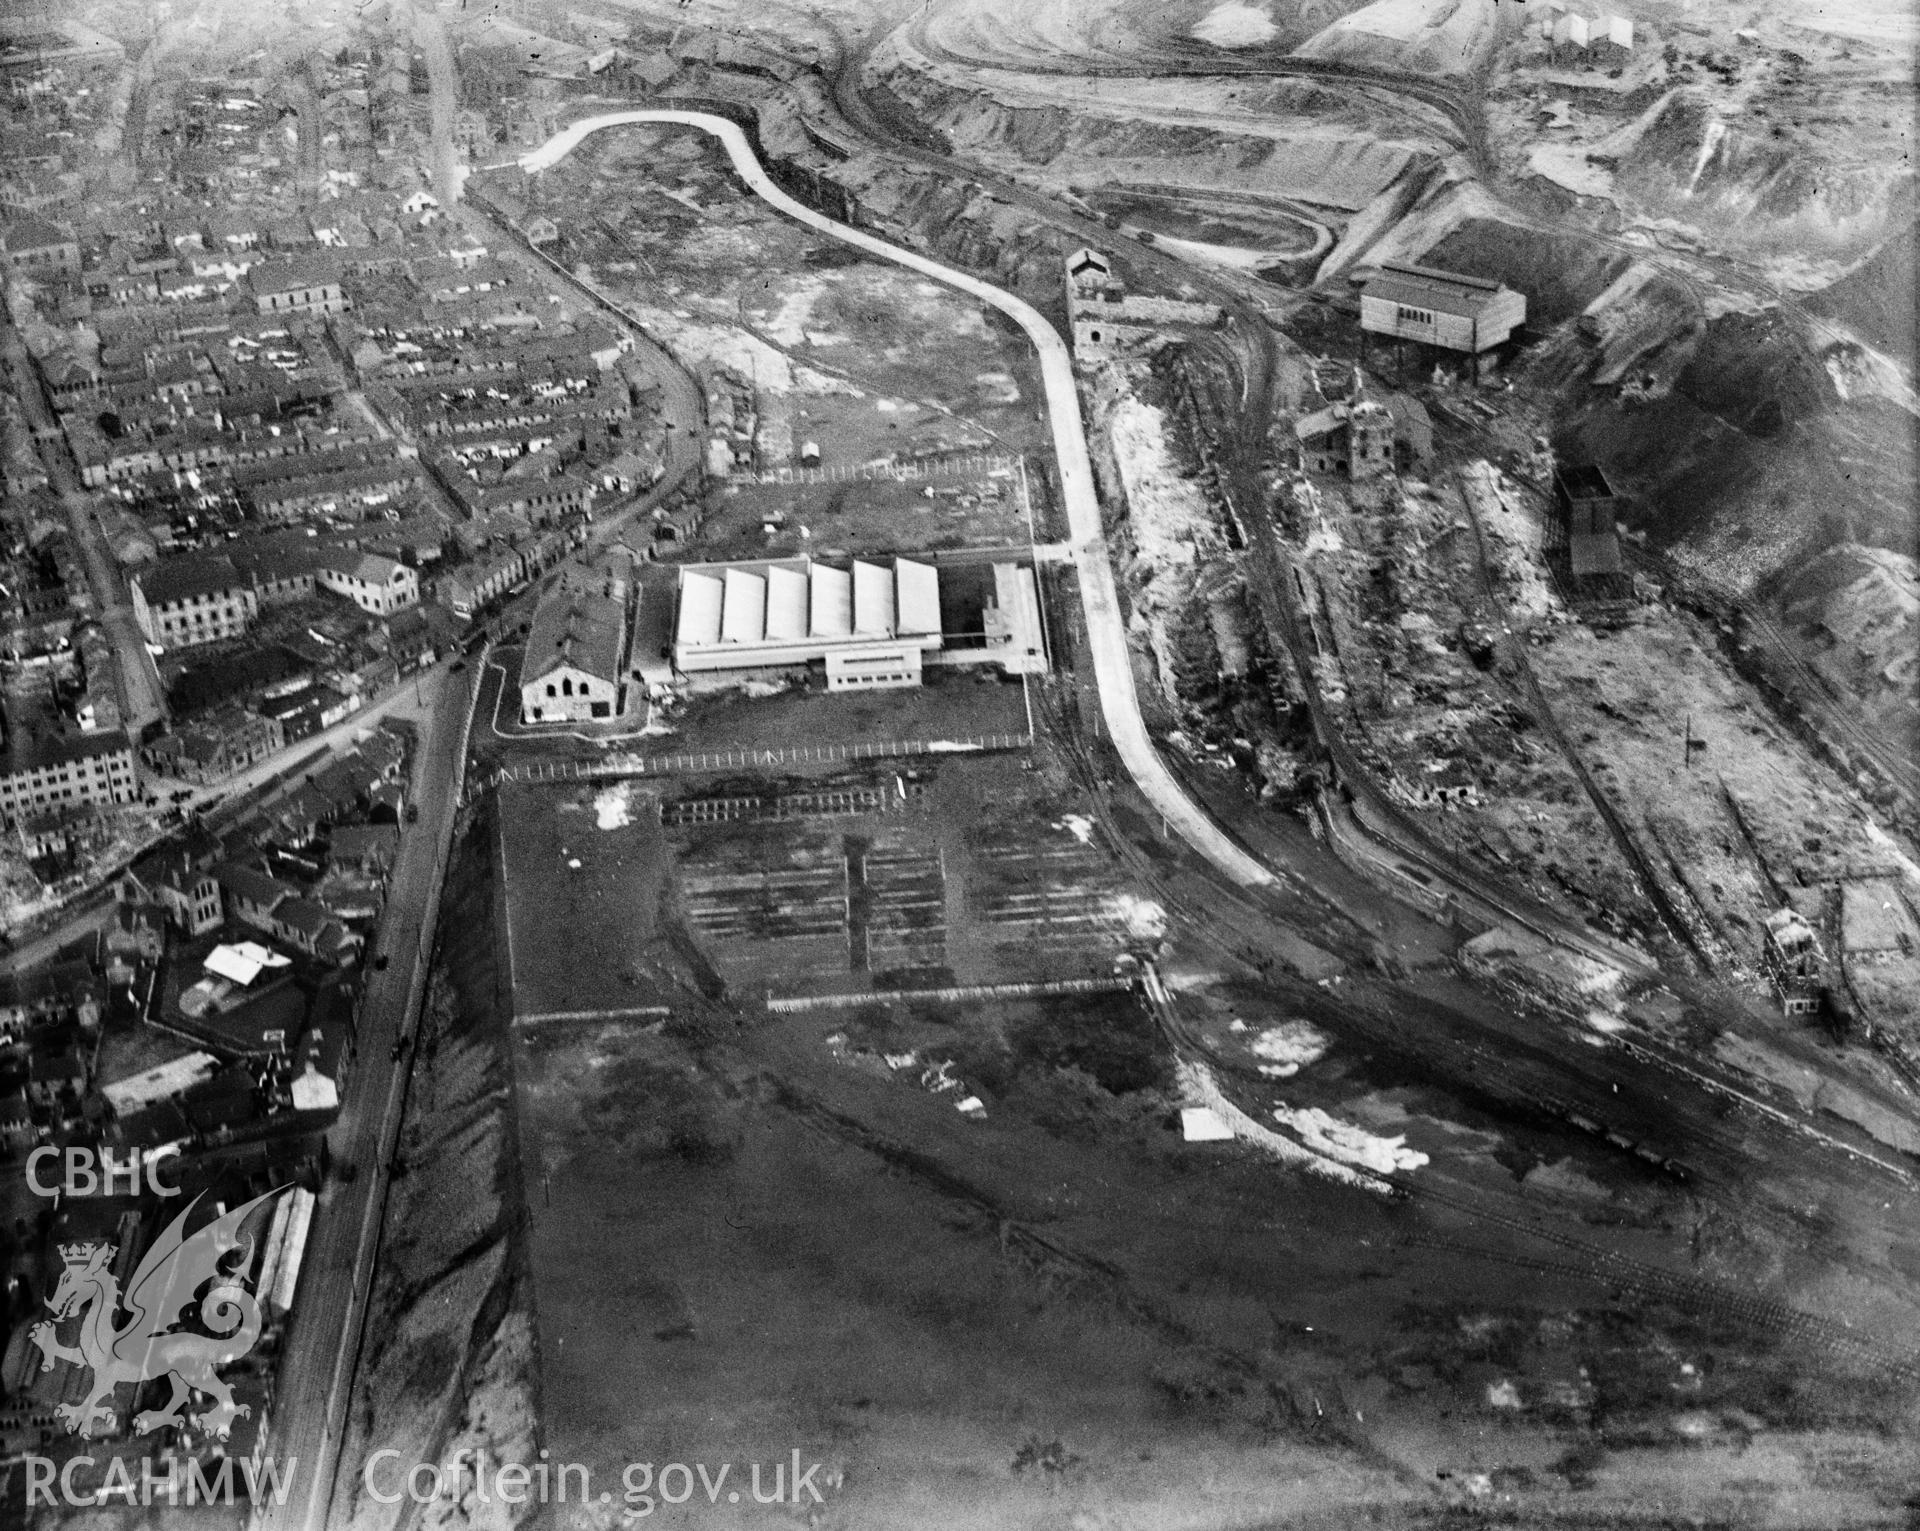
column 1233, row 923
column 1469, row 1051
column 1506, row 1072
column 1273, row 590
column 1460, row 104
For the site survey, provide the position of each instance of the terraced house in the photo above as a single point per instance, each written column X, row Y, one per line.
column 283, row 912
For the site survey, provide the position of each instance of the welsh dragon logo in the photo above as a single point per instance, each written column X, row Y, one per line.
column 151, row 1344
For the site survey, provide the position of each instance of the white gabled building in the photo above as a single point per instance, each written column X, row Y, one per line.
column 574, row 667
column 371, row 581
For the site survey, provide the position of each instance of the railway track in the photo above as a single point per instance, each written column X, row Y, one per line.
column 1650, row 1284
column 1502, row 1080
column 1897, row 768
column 1233, row 923
column 1653, row 888
column 1459, row 105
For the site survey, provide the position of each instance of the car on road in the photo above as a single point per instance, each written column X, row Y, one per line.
column 398, row 1050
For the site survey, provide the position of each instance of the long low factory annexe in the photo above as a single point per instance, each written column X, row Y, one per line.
column 871, row 624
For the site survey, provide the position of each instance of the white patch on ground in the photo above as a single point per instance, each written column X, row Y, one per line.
column 1202, row 1124
column 997, row 388
column 698, row 345
column 1567, row 165
column 1145, row 920
column 1235, row 25
column 821, row 383
column 1514, row 543
column 1198, row 1087
column 1190, row 980
column 1172, row 527
column 1081, row 829
column 613, row 808
column 1887, row 843
column 1348, row 1143
column 1323, row 539
column 788, row 324
column 1881, row 21
column 1503, row 1395
column 1167, row 511
column 1290, row 1047
column 1241, row 257
column 1384, row 1113
column 1429, row 36
column 1563, row 1178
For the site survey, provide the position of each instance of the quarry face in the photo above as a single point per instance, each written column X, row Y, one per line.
column 985, row 764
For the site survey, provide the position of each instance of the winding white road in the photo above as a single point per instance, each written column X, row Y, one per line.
column 1107, row 637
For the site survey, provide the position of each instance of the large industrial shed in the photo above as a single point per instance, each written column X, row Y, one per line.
column 871, row 623
column 1440, row 308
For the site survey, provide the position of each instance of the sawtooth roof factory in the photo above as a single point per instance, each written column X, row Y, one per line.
column 872, row 623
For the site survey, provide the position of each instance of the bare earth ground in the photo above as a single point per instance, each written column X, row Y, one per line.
column 963, row 877
column 812, row 1249
column 746, row 1246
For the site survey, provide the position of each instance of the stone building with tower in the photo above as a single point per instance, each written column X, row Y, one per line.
column 1352, row 437
column 1107, row 320
column 1360, row 437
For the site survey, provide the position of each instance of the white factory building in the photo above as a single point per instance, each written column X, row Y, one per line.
column 872, row 624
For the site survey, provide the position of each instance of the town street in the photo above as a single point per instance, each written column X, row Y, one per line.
column 141, row 698
column 409, row 700
column 316, row 1372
